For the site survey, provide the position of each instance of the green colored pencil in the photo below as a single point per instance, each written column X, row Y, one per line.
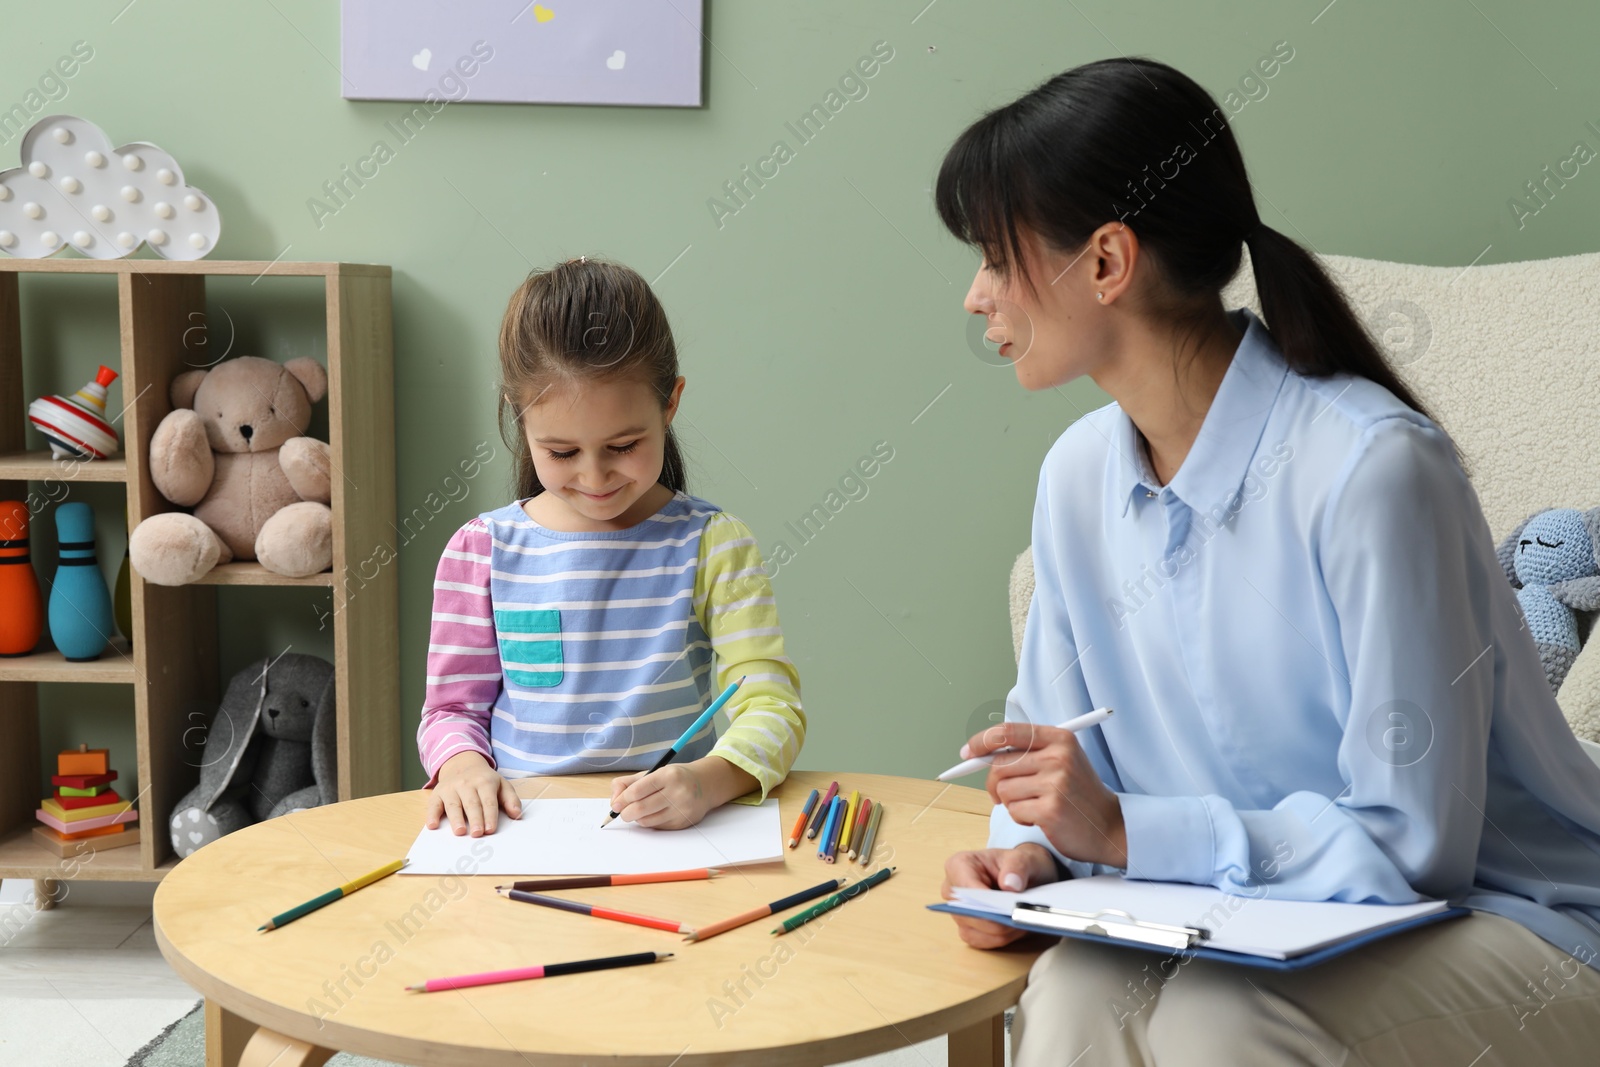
column 332, row 895
column 834, row 901
column 871, row 839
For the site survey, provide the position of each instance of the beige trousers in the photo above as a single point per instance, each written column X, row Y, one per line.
column 1470, row 992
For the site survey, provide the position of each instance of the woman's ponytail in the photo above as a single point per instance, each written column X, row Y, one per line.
column 1310, row 319
column 1139, row 142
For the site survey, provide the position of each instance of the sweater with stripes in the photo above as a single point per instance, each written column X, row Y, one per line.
column 556, row 652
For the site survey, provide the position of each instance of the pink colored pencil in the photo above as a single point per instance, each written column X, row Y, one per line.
column 549, row 970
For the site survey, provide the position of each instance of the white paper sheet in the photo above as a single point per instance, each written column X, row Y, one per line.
column 564, row 837
column 1257, row 925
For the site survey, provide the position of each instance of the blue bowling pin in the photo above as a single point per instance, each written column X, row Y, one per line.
column 81, row 621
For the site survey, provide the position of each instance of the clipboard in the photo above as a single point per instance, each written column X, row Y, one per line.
column 1120, row 928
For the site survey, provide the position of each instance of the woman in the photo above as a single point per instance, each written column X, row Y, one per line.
column 1266, row 557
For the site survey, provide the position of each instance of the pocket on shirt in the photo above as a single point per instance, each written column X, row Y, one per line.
column 530, row 647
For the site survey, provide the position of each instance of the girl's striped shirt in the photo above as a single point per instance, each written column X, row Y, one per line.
column 556, row 652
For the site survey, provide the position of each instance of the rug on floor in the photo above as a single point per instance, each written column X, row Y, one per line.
column 183, row 1044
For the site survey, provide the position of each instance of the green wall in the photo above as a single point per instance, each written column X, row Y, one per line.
column 822, row 317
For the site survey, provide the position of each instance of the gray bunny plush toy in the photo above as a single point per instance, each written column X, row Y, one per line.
column 270, row 750
column 1553, row 561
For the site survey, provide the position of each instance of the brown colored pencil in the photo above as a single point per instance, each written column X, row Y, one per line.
column 589, row 881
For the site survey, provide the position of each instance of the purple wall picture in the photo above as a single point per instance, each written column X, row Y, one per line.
column 629, row 52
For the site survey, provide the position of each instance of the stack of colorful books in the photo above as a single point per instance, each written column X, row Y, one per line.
column 85, row 808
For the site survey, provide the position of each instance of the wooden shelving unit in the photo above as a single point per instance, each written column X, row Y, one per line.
column 172, row 665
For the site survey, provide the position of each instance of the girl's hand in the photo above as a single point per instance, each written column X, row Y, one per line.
column 679, row 794
column 1011, row 869
column 472, row 793
column 1050, row 783
column 670, row 799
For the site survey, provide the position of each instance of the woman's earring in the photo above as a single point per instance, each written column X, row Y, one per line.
column 1099, row 296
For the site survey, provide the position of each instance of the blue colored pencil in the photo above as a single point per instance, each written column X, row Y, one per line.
column 694, row 728
column 838, row 829
column 827, row 827
column 821, row 813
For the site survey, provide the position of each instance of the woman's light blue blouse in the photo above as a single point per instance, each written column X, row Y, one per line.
column 1321, row 679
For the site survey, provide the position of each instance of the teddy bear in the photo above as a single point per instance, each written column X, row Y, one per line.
column 1553, row 561
column 270, row 750
column 233, row 449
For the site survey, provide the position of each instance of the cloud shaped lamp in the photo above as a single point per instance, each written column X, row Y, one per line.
column 74, row 190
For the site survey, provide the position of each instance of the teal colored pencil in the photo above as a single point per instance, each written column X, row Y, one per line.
column 834, row 901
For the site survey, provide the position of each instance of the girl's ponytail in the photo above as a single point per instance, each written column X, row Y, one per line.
column 674, row 472
column 1310, row 319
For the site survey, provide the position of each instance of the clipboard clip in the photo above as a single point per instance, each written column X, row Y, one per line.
column 1108, row 922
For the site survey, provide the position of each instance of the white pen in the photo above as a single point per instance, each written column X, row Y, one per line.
column 977, row 763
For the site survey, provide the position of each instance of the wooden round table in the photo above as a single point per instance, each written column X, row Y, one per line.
column 878, row 973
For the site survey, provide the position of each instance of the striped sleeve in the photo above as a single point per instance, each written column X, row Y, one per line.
column 463, row 658
column 733, row 600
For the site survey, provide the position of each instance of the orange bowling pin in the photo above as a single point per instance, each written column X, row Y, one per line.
column 21, row 606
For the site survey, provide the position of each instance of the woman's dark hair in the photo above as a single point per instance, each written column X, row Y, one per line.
column 1138, row 141
column 582, row 321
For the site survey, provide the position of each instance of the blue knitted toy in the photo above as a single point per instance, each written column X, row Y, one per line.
column 1553, row 561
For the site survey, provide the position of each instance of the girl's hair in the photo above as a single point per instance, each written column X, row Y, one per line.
column 1137, row 141
column 583, row 321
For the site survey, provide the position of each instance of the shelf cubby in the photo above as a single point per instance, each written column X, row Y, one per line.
column 172, row 662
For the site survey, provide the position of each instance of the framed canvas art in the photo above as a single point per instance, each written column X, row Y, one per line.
column 625, row 52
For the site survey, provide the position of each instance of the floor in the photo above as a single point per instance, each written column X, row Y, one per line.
column 83, row 984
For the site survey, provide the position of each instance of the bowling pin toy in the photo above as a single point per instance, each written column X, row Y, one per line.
column 76, row 425
column 81, row 621
column 21, row 607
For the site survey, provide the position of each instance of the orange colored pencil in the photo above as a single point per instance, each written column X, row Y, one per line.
column 805, row 817
column 702, row 932
column 598, row 912
column 589, row 881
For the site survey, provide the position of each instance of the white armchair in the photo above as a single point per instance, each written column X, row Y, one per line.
column 1507, row 357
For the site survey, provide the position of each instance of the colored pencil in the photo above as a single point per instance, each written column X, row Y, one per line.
column 838, row 829
column 595, row 911
column 848, row 893
column 827, row 824
column 805, row 817
column 793, row 900
column 850, row 814
column 688, row 735
column 549, row 970
column 589, row 881
column 872, row 835
column 821, row 813
column 860, row 831
column 826, row 835
column 332, row 895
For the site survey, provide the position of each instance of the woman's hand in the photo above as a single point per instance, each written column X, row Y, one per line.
column 1011, row 869
column 472, row 793
column 1050, row 783
column 679, row 794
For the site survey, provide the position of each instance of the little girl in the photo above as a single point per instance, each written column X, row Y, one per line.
column 575, row 629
